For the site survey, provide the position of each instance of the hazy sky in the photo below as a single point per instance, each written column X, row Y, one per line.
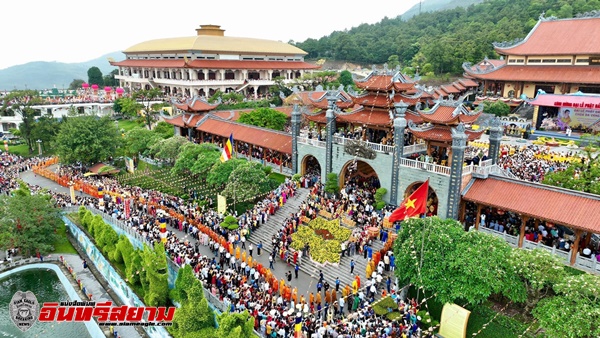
column 77, row 31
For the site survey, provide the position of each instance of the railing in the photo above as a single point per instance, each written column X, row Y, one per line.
column 486, row 163
column 13, row 263
column 312, row 142
column 588, row 264
column 435, row 168
column 468, row 169
column 382, row 148
column 512, row 240
column 157, row 163
column 415, row 148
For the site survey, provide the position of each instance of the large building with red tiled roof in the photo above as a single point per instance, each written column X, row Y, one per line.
column 557, row 56
column 210, row 61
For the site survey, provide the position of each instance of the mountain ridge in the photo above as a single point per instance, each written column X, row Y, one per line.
column 48, row 74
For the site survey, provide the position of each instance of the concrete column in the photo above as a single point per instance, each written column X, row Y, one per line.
column 399, row 127
column 330, row 131
column 296, row 118
column 222, row 74
column 496, row 132
column 270, row 73
column 459, row 144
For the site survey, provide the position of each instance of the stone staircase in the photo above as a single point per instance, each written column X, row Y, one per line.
column 274, row 223
column 330, row 272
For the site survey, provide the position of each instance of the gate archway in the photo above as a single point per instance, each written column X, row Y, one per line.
column 360, row 173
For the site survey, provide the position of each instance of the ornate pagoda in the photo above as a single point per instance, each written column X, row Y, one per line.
column 192, row 110
column 438, row 121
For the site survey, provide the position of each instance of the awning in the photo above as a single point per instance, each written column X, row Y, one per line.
column 577, row 100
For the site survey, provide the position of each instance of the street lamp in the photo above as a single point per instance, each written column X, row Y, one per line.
column 39, row 142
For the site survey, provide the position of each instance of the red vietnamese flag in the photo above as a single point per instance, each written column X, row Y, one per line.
column 413, row 205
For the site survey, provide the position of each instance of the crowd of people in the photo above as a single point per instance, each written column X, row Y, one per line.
column 275, row 306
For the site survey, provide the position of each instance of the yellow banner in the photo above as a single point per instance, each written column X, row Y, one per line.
column 454, row 321
column 129, row 164
column 221, row 204
column 72, row 191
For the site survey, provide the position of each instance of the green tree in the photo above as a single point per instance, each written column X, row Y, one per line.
column 87, row 139
column 235, row 325
column 128, row 106
column 156, row 275
column 76, row 84
column 196, row 158
column 220, row 172
column 147, row 96
column 393, row 61
column 246, row 182
column 28, row 221
column 332, row 185
column 20, row 103
column 440, row 256
column 538, row 270
column 45, row 129
column 183, row 284
column 346, row 78
column 164, row 129
column 264, row 117
column 95, row 76
column 577, row 304
column 230, row 223
column 168, row 149
column 139, row 141
column 194, row 318
column 497, row 108
column 109, row 80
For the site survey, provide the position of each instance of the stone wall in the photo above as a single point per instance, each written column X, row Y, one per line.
column 383, row 166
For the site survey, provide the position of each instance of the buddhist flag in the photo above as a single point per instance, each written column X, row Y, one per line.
column 413, row 205
column 227, row 149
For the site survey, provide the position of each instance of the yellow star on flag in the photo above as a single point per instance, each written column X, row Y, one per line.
column 410, row 203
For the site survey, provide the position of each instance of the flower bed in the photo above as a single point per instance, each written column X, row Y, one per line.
column 324, row 238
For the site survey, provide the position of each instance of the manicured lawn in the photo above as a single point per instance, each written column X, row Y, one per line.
column 143, row 165
column 19, row 149
column 63, row 245
column 127, row 125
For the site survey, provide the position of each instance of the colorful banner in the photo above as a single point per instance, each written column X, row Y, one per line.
column 221, row 204
column 127, row 208
column 575, row 117
column 129, row 164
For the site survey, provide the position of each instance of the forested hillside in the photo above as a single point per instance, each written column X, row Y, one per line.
column 442, row 41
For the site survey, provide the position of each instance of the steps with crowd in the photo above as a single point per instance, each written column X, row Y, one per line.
column 330, row 272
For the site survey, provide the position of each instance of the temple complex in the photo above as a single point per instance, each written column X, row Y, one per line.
column 558, row 56
column 210, row 61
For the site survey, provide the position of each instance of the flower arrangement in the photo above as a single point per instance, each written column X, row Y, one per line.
column 324, row 238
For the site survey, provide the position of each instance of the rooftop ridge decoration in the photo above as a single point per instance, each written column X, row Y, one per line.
column 591, row 14
column 519, row 41
column 468, row 67
column 422, row 127
column 345, row 113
